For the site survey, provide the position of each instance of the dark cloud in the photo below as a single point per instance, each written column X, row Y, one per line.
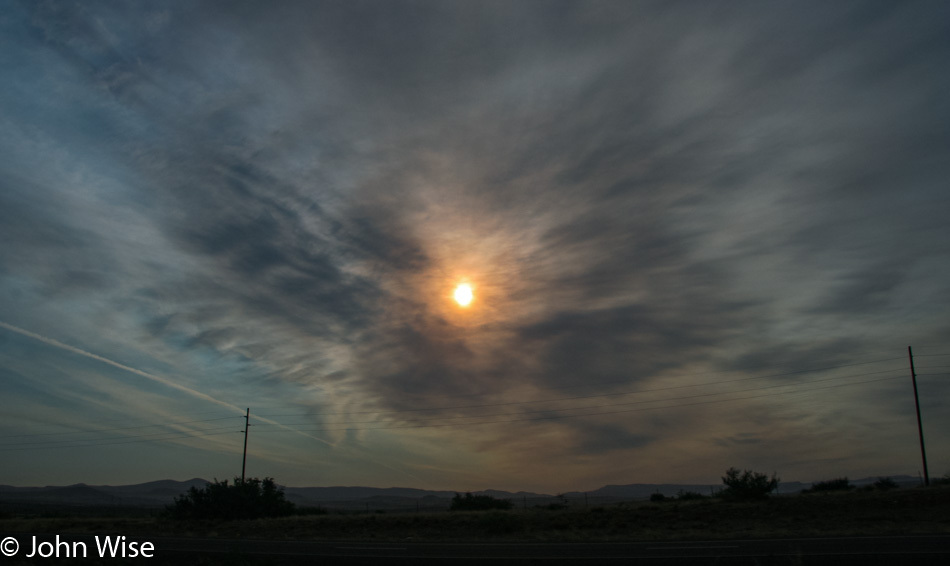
column 869, row 290
column 375, row 234
column 617, row 343
column 600, row 439
column 792, row 361
column 740, row 439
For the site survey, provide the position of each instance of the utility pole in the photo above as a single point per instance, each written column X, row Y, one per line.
column 247, row 425
column 920, row 427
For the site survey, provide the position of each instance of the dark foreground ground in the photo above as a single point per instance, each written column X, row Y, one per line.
column 921, row 549
column 906, row 526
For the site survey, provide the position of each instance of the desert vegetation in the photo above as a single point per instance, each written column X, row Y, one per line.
column 843, row 513
column 745, row 508
column 251, row 498
column 885, row 484
column 837, row 484
column 747, row 485
column 478, row 503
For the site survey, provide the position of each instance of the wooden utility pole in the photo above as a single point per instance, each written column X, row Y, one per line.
column 920, row 427
column 247, row 425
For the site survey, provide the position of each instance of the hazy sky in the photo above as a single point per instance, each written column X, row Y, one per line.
column 699, row 234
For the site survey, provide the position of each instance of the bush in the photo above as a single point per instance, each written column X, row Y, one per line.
column 657, row 497
column 747, row 485
column 498, row 523
column 885, row 484
column 478, row 503
column 560, row 504
column 249, row 499
column 684, row 495
column 838, row 484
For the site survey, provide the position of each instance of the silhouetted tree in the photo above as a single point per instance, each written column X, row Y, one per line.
column 885, row 484
column 252, row 498
column 684, row 495
column 746, row 485
column 837, row 484
column 478, row 503
column 558, row 505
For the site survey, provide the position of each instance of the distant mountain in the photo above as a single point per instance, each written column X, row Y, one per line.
column 641, row 490
column 346, row 493
column 162, row 492
column 80, row 494
column 151, row 494
column 393, row 498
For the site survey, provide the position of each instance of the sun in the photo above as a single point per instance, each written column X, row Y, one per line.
column 463, row 294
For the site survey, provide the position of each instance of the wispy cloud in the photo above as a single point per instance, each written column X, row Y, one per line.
column 275, row 204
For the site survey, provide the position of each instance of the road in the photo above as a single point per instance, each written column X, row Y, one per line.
column 914, row 550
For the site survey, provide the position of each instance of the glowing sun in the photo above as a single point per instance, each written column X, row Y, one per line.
column 463, row 294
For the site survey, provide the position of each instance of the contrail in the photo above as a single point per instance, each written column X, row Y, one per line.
column 162, row 380
column 139, row 372
column 172, row 384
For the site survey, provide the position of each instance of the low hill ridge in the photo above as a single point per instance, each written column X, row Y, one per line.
column 162, row 492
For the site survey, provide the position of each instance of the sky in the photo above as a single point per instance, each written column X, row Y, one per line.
column 698, row 235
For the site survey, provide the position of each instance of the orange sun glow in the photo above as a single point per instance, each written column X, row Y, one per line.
column 463, row 294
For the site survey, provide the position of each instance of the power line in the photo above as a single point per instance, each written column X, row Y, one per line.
column 554, row 417
column 74, row 440
column 612, row 394
column 628, row 402
column 181, row 415
column 610, row 381
column 114, row 429
column 170, row 435
column 216, row 431
column 174, row 436
column 134, row 440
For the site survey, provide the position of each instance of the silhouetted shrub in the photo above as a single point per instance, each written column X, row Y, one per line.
column 478, row 503
column 945, row 480
column 684, row 495
column 885, row 484
column 249, row 499
column 747, row 485
column 497, row 523
column 837, row 484
column 657, row 497
column 561, row 503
